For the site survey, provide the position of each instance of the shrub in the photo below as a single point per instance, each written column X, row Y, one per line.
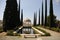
column 1, row 30
column 55, row 29
column 35, row 32
column 46, row 33
column 10, row 33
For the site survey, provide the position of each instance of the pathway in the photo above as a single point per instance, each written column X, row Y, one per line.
column 17, row 38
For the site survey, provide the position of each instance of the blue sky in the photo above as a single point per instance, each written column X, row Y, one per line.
column 31, row 6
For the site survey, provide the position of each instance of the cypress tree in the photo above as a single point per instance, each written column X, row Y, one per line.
column 45, row 12
column 19, row 6
column 42, row 18
column 35, row 19
column 52, row 17
column 11, row 15
column 19, row 14
column 19, row 11
column 39, row 18
column 21, row 17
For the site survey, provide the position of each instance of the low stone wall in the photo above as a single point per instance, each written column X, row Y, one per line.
column 38, row 31
column 30, row 35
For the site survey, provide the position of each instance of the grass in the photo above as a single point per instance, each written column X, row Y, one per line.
column 56, row 29
column 10, row 33
column 1, row 30
column 46, row 33
column 35, row 32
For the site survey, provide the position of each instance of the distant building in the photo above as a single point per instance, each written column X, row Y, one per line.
column 27, row 23
column 26, row 28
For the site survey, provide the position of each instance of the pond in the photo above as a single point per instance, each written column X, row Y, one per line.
column 26, row 30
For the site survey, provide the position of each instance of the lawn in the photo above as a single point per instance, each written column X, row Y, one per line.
column 46, row 33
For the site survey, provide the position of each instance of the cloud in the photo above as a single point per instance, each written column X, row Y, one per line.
column 57, row 1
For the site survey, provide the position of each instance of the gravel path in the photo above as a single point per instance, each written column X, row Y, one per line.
column 17, row 38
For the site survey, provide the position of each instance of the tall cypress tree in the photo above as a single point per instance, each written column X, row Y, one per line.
column 45, row 12
column 11, row 15
column 19, row 6
column 42, row 17
column 52, row 17
column 21, row 17
column 35, row 19
column 19, row 14
column 19, row 11
column 39, row 18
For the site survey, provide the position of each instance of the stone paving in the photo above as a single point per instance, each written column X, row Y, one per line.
column 17, row 38
column 50, row 38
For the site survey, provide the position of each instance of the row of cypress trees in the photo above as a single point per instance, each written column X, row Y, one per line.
column 48, row 21
column 11, row 18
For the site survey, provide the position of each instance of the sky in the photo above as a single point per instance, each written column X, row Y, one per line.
column 31, row 6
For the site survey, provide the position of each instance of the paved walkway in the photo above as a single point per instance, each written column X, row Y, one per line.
column 3, row 34
column 17, row 38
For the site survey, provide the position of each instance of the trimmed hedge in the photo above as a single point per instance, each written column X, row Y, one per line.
column 1, row 30
column 46, row 33
column 10, row 33
column 53, row 28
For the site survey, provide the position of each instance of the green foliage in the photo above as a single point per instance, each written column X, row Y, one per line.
column 55, row 29
column 35, row 32
column 46, row 33
column 51, row 15
column 10, row 33
column 53, row 24
column 1, row 30
column 35, row 19
column 39, row 18
column 45, row 13
column 11, row 18
column 21, row 17
column 42, row 16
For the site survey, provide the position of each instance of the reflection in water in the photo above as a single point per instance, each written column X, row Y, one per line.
column 27, row 30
